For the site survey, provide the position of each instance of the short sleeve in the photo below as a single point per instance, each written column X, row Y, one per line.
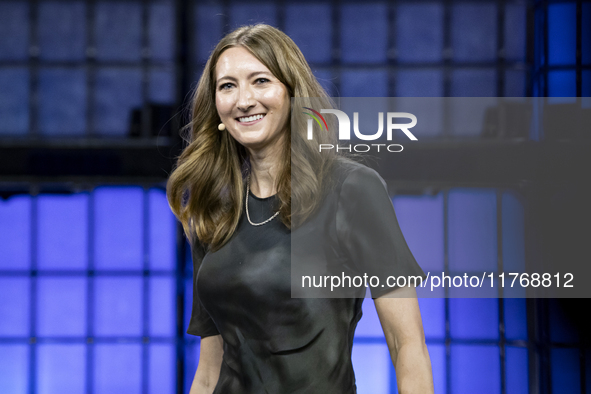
column 369, row 233
column 201, row 323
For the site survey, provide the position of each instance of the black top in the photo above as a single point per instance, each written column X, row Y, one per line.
column 274, row 343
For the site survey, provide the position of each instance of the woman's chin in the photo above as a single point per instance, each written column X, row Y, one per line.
column 257, row 139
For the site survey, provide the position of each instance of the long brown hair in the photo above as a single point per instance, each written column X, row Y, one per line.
column 206, row 189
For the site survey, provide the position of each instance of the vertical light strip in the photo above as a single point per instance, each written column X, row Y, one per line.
column 33, row 68
column 579, row 69
column 392, row 378
column 225, row 17
column 500, row 300
column 146, row 122
column 447, row 55
column 545, row 48
column 180, row 308
column 446, row 291
column 530, row 47
column 90, row 66
column 280, row 14
column 336, row 52
column 145, row 293
column 391, row 54
column 446, row 66
column 34, row 191
column 90, row 296
column 501, row 49
column 185, row 14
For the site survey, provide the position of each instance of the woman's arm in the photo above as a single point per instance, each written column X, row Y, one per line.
column 401, row 321
column 210, row 362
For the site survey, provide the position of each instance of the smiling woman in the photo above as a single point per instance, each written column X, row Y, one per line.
column 245, row 165
column 253, row 71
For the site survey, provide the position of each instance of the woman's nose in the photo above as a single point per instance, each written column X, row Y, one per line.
column 245, row 99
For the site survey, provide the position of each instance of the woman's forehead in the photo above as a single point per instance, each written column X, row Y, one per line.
column 238, row 60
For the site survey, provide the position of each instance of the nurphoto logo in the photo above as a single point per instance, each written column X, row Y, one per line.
column 345, row 129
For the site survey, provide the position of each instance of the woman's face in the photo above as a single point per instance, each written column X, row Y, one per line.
column 252, row 103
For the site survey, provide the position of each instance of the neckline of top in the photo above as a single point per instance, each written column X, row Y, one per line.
column 261, row 198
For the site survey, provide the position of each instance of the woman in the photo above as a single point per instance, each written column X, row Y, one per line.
column 241, row 186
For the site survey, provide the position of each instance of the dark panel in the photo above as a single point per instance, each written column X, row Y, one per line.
column 46, row 163
column 453, row 163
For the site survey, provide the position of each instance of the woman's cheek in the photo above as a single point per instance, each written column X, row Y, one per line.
column 274, row 94
column 223, row 102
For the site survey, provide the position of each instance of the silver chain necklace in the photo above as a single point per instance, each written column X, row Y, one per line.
column 247, row 215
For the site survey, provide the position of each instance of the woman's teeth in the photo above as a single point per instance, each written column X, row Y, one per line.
column 250, row 118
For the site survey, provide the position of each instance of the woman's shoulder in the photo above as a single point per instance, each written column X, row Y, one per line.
column 354, row 175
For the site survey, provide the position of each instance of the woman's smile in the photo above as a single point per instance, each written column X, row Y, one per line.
column 250, row 120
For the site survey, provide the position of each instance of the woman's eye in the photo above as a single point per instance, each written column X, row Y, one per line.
column 261, row 80
column 225, row 86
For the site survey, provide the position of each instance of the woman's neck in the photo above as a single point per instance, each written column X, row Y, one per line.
column 265, row 166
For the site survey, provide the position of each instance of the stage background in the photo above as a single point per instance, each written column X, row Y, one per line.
column 95, row 276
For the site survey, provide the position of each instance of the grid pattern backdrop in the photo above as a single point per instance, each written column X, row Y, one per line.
column 96, row 279
column 74, row 68
column 88, row 291
column 91, row 282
